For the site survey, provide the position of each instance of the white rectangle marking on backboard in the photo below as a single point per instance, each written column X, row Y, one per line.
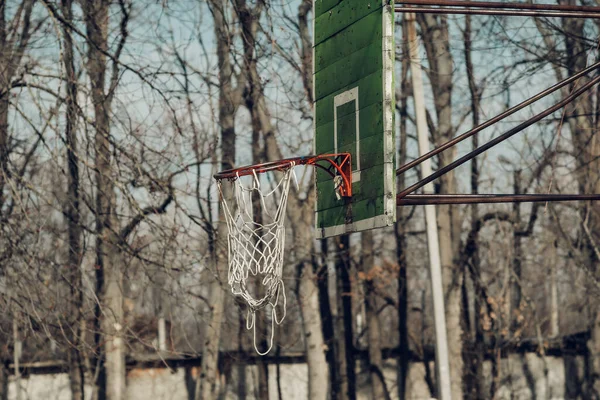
column 339, row 100
column 389, row 173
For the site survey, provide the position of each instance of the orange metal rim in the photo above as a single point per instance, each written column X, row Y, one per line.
column 335, row 164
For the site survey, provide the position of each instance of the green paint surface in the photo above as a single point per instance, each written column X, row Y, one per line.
column 353, row 55
column 346, row 42
column 370, row 92
column 343, row 14
column 348, row 70
column 322, row 6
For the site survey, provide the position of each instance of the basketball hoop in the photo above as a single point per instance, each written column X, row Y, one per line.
column 256, row 243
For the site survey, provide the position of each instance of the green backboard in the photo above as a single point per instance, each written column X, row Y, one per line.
column 354, row 111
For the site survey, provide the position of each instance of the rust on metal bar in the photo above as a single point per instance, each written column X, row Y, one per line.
column 497, row 12
column 501, row 5
column 468, row 7
column 426, row 199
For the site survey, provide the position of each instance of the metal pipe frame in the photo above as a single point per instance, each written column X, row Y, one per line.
column 496, row 8
column 499, row 5
column 507, row 13
column 468, row 7
column 499, row 139
column 403, row 199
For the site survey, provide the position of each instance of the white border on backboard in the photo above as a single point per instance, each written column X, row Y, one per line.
column 389, row 176
column 339, row 100
column 378, row 221
column 314, row 93
column 389, row 149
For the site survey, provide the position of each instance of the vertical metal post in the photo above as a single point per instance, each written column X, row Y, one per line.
column 435, row 265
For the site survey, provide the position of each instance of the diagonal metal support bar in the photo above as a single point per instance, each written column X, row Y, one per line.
column 507, row 13
column 496, row 8
column 426, row 199
column 500, row 5
column 497, row 118
column 499, row 139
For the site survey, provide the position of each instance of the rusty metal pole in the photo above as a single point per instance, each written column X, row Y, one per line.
column 507, row 13
column 424, row 199
column 501, row 5
column 496, row 8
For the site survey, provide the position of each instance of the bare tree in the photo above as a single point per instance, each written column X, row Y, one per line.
column 229, row 100
column 73, row 216
column 566, row 49
column 435, row 35
column 403, row 359
column 109, row 274
column 15, row 34
column 298, row 208
column 372, row 306
column 474, row 351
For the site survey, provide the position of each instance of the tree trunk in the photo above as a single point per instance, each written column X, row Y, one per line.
column 113, row 318
column 229, row 98
column 17, row 350
column 327, row 321
column 313, row 334
column 14, row 39
column 206, row 386
column 208, row 379
column 4, row 152
column 190, row 383
column 586, row 146
column 73, row 273
column 554, row 304
column 344, row 324
column 403, row 359
column 580, row 116
column 12, row 50
column 436, row 40
column 341, row 260
column 108, row 264
column 5, row 82
column 376, row 378
column 4, row 375
column 241, row 368
column 260, row 317
column 318, row 328
column 514, row 323
column 306, row 49
column 474, row 351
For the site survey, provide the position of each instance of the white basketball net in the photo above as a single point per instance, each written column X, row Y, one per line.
column 258, row 248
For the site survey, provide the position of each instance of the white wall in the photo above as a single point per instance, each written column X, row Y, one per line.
column 523, row 377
